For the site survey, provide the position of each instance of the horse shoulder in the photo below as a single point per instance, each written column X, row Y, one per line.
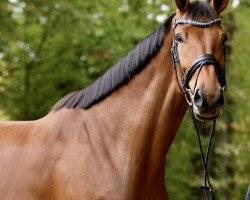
column 84, row 161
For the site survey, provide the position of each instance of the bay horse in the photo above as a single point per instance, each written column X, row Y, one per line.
column 109, row 141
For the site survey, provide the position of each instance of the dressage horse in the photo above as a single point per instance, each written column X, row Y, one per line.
column 109, row 141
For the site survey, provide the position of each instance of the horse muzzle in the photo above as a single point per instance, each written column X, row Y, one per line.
column 206, row 107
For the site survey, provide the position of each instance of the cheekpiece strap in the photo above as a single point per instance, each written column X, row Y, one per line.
column 196, row 23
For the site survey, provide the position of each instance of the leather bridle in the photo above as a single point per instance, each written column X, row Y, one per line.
column 200, row 62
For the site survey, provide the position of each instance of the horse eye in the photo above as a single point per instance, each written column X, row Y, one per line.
column 178, row 38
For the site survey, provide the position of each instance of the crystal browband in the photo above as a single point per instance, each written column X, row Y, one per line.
column 196, row 23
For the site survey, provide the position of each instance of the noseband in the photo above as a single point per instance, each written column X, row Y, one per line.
column 200, row 62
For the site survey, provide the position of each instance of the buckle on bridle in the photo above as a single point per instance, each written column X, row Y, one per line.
column 189, row 96
column 209, row 190
column 206, row 188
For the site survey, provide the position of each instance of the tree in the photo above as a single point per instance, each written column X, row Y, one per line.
column 53, row 47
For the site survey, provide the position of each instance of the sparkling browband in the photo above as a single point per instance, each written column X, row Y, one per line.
column 196, row 23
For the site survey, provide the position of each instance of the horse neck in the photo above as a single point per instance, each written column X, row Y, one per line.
column 143, row 115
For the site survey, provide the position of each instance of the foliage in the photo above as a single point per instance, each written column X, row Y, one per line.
column 52, row 47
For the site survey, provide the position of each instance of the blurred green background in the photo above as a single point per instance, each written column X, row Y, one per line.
column 49, row 48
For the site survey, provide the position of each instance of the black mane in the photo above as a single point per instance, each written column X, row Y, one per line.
column 127, row 67
column 131, row 64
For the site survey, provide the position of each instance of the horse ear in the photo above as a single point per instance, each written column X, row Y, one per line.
column 219, row 5
column 182, row 5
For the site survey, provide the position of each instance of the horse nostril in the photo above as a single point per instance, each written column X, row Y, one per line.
column 199, row 99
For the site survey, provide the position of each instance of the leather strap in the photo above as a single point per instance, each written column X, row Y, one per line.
column 200, row 62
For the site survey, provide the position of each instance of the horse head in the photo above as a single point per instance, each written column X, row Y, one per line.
column 198, row 53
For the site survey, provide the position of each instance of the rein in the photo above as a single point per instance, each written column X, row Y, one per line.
column 208, row 189
column 184, row 85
